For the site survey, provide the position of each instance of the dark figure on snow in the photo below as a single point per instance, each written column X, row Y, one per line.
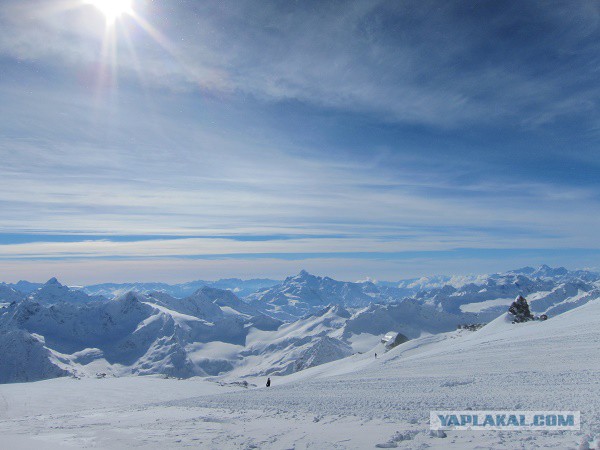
column 268, row 382
column 375, row 355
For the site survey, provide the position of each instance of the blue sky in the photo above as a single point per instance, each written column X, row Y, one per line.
column 359, row 138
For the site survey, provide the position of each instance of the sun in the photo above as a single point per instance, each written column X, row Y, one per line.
column 112, row 9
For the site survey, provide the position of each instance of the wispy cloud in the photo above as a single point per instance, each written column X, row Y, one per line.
column 422, row 63
column 360, row 129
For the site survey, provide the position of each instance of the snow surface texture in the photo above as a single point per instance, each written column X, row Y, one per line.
column 357, row 402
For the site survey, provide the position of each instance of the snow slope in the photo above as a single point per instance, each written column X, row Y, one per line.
column 212, row 332
column 209, row 333
column 25, row 287
column 9, row 294
column 295, row 346
column 333, row 333
column 358, row 402
column 537, row 365
column 25, row 358
column 409, row 317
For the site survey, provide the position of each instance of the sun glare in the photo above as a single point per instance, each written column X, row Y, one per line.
column 112, row 9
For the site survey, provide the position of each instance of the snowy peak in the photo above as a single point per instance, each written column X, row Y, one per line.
column 409, row 317
column 325, row 349
column 53, row 292
column 127, row 301
column 547, row 271
column 203, row 306
column 25, row 287
column 25, row 358
column 131, row 334
column 334, row 310
column 303, row 275
column 229, row 302
column 197, row 305
column 303, row 278
column 53, row 282
column 221, row 297
column 9, row 295
column 213, row 331
column 182, row 290
column 216, row 306
column 305, row 294
column 525, row 270
column 549, row 290
column 555, row 273
column 543, row 271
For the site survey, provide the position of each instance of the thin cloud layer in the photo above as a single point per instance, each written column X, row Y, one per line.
column 353, row 128
column 430, row 63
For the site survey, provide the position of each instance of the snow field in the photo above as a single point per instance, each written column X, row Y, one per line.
column 355, row 403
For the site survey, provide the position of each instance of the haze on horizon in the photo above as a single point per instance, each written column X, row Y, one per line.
column 173, row 141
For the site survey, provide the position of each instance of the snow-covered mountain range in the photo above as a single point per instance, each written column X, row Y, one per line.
column 211, row 332
column 549, row 291
column 357, row 402
column 305, row 294
column 301, row 322
column 132, row 334
column 9, row 294
column 240, row 287
column 53, row 292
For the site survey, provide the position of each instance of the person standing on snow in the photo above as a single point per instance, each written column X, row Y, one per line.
column 268, row 382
